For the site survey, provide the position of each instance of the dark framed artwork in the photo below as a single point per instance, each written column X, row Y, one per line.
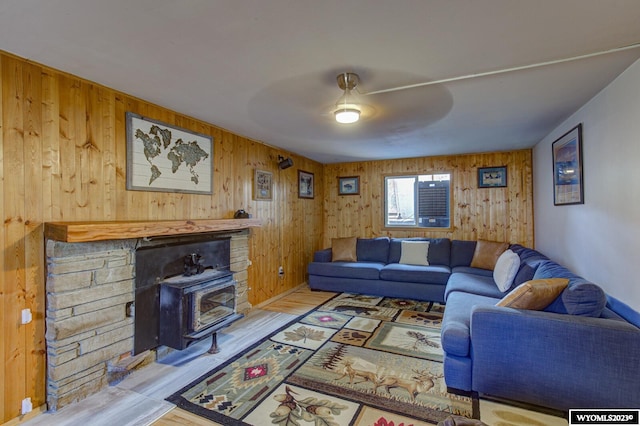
column 492, row 177
column 349, row 185
column 305, row 184
column 166, row 158
column 567, row 168
column 262, row 185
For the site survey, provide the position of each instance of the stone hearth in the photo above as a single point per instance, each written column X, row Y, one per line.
column 89, row 320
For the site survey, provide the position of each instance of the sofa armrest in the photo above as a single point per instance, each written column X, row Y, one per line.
column 322, row 255
column 555, row 360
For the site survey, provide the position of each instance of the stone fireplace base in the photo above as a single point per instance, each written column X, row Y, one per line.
column 89, row 323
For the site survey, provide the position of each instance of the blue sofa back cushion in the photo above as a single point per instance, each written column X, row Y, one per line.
column 395, row 248
column 439, row 250
column 529, row 261
column 372, row 249
column 581, row 297
column 462, row 252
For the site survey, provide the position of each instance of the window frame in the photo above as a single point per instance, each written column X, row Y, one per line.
column 416, row 226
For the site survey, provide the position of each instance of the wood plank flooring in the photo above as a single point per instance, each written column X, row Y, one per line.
column 140, row 398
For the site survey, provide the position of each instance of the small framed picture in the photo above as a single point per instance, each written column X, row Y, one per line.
column 349, row 185
column 262, row 185
column 567, row 168
column 492, row 177
column 305, row 184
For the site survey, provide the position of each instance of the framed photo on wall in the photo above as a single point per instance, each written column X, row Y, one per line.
column 567, row 168
column 492, row 177
column 349, row 185
column 305, row 184
column 262, row 185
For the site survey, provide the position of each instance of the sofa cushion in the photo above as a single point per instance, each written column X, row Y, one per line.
column 529, row 261
column 535, row 294
column 360, row 270
column 432, row 274
column 455, row 332
column 581, row 297
column 473, row 284
column 462, row 252
column 372, row 249
column 395, row 248
column 322, row 255
column 473, row 271
column 505, row 270
column 439, row 251
column 487, row 253
column 414, row 253
column 343, row 249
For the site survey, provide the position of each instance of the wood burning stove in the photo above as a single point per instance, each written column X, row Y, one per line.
column 185, row 292
column 195, row 307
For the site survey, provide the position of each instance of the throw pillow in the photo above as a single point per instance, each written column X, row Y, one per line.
column 535, row 294
column 487, row 253
column 343, row 249
column 414, row 253
column 506, row 269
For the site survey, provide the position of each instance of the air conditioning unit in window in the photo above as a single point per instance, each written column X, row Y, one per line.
column 433, row 204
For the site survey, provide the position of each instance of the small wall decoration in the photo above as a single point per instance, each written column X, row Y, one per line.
column 349, row 185
column 305, row 184
column 567, row 168
column 262, row 185
column 492, row 177
column 165, row 158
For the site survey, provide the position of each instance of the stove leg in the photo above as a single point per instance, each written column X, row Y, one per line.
column 214, row 344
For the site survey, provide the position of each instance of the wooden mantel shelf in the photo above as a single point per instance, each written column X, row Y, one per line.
column 80, row 232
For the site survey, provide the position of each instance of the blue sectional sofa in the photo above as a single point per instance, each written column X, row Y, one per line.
column 581, row 351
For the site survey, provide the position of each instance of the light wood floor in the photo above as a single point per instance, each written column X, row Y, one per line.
column 297, row 303
column 140, row 398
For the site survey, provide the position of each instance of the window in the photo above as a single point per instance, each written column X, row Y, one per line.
column 418, row 200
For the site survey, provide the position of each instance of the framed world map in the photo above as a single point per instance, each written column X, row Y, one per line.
column 165, row 158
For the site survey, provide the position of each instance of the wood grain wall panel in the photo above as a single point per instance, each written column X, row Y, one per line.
column 14, row 271
column 4, row 284
column 63, row 158
column 33, row 230
column 501, row 214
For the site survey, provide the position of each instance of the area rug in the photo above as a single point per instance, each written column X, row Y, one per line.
column 356, row 360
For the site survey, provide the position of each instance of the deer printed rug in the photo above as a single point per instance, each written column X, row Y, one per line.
column 356, row 360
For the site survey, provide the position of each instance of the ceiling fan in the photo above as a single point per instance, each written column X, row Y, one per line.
column 349, row 107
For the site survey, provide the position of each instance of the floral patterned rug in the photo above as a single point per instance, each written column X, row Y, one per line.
column 356, row 360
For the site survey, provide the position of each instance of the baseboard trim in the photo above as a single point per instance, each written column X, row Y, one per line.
column 279, row 296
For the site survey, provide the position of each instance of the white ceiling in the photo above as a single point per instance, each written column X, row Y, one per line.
column 266, row 69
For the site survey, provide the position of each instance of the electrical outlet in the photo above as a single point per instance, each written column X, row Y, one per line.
column 281, row 271
column 27, row 406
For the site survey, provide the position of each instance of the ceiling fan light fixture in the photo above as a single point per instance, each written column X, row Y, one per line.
column 347, row 109
column 347, row 115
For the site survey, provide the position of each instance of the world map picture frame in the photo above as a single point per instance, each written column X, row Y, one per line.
column 166, row 158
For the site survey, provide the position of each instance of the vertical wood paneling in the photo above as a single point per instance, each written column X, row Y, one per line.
column 4, row 284
column 63, row 158
column 33, row 228
column 500, row 214
column 14, row 271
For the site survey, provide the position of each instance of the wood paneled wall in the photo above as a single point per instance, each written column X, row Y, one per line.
column 63, row 158
column 497, row 214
